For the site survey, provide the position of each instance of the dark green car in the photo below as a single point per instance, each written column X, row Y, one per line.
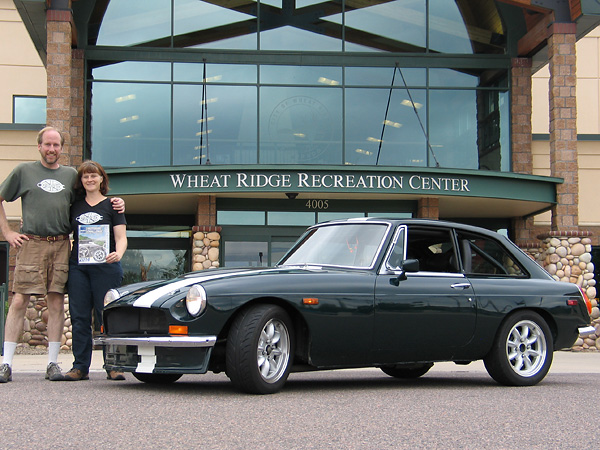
column 395, row 294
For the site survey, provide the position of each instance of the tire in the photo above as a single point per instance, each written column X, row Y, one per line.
column 157, row 378
column 407, row 371
column 259, row 349
column 522, row 351
column 99, row 255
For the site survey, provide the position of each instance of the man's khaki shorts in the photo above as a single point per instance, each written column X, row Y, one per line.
column 42, row 267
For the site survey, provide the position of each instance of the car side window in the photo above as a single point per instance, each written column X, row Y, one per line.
column 396, row 256
column 434, row 248
column 482, row 255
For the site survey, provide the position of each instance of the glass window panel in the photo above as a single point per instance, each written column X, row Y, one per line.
column 395, row 26
column 131, row 22
column 382, row 76
column 129, row 127
column 152, row 264
column 240, row 217
column 215, row 24
column 29, row 109
column 279, row 249
column 300, row 125
column 326, row 216
column 447, row 29
column 290, row 218
column 453, row 128
column 452, row 78
column 134, row 71
column 215, row 73
column 315, row 75
column 403, row 144
column 245, row 254
column 229, row 125
column 387, row 215
column 290, row 38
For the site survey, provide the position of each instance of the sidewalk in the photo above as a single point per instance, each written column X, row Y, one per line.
column 564, row 362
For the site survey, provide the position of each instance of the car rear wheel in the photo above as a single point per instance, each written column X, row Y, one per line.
column 260, row 349
column 522, row 351
column 157, row 378
column 407, row 371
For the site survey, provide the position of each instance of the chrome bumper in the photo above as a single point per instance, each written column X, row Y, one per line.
column 586, row 331
column 168, row 341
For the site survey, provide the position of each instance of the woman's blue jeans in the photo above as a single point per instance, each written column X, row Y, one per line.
column 87, row 285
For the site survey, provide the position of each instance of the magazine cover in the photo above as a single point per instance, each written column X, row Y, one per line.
column 93, row 243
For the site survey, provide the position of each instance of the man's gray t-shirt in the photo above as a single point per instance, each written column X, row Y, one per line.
column 46, row 196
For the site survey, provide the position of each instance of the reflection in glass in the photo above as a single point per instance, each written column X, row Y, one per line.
column 134, row 71
column 217, row 24
column 382, row 76
column 226, row 134
column 290, row 218
column 447, row 29
column 304, row 75
column 453, row 128
column 215, row 73
column 146, row 265
column 395, row 26
column 29, row 109
column 131, row 22
column 452, row 78
column 131, row 124
column 300, row 125
column 403, row 144
column 245, row 254
column 240, row 217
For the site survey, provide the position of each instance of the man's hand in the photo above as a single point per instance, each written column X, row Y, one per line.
column 118, row 204
column 15, row 239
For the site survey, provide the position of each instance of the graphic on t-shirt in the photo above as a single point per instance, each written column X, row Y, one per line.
column 93, row 243
column 51, row 186
column 89, row 218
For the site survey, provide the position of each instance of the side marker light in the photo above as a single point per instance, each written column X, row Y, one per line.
column 310, row 301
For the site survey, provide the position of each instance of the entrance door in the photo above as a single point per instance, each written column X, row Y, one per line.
column 256, row 246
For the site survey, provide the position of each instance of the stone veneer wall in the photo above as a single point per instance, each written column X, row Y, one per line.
column 567, row 257
column 205, row 254
column 36, row 322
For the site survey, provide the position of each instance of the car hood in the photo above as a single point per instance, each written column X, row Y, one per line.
column 155, row 294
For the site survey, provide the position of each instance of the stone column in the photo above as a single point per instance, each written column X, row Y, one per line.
column 207, row 236
column 522, row 159
column 59, row 74
column 428, row 208
column 563, row 125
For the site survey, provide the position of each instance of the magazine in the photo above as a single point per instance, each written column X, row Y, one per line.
column 94, row 241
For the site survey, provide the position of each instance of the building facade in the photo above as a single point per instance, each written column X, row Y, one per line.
column 230, row 127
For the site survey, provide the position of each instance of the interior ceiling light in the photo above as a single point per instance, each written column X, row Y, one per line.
column 327, row 81
column 389, row 123
column 409, row 103
column 125, row 98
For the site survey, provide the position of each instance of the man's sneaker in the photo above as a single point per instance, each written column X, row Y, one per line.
column 53, row 372
column 76, row 375
column 5, row 373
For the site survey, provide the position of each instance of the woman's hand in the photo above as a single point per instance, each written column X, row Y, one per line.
column 113, row 257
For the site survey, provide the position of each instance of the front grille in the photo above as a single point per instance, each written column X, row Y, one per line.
column 135, row 321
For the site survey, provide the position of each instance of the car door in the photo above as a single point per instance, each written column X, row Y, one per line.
column 428, row 314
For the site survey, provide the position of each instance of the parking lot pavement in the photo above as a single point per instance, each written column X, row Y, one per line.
column 564, row 362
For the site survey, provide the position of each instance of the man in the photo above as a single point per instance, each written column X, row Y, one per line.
column 46, row 191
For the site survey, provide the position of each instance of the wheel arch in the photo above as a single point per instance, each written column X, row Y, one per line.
column 301, row 329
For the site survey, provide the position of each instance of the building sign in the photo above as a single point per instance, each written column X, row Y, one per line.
column 301, row 181
column 328, row 180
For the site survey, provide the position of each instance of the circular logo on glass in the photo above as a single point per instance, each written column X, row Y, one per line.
column 302, row 125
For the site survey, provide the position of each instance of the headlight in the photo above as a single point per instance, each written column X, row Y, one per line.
column 111, row 296
column 195, row 301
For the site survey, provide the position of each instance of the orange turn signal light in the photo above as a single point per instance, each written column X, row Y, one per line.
column 178, row 329
column 310, row 301
column 587, row 301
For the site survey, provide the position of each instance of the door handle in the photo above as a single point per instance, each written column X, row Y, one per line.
column 460, row 285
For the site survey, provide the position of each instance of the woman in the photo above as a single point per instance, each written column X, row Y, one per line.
column 99, row 242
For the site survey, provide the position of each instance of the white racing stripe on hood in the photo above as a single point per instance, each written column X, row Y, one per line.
column 147, row 300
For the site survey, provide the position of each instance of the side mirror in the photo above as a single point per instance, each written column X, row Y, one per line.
column 406, row 266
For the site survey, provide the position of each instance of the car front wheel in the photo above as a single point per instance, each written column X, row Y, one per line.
column 522, row 351
column 260, row 349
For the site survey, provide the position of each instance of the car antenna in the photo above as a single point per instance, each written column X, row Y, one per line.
column 429, row 147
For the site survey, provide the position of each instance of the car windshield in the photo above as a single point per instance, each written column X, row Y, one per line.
column 346, row 245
